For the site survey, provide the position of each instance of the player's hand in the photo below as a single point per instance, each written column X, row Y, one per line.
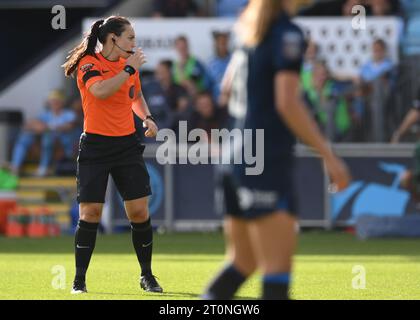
column 152, row 128
column 395, row 137
column 339, row 174
column 36, row 126
column 137, row 59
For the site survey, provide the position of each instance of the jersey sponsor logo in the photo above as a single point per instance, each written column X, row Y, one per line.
column 256, row 199
column 86, row 67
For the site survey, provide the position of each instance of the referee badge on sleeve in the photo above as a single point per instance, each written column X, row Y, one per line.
column 86, row 67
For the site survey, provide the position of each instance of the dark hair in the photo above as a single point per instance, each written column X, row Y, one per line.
column 181, row 38
column 167, row 63
column 381, row 42
column 98, row 32
column 205, row 94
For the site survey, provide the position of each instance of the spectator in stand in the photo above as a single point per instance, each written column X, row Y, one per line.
column 320, row 96
column 168, row 100
column 348, row 5
column 229, row 8
column 77, row 108
column 206, row 115
column 333, row 8
column 311, row 56
column 384, row 7
column 218, row 64
column 379, row 65
column 344, row 8
column 174, row 8
column 56, row 123
column 379, row 70
column 188, row 71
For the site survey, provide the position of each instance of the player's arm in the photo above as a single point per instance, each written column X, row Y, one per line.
column 226, row 84
column 290, row 106
column 103, row 89
column 66, row 127
column 141, row 109
column 410, row 119
column 288, row 49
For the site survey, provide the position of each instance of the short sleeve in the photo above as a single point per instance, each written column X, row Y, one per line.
column 70, row 116
column 44, row 117
column 89, row 71
column 416, row 102
column 137, row 84
column 288, row 49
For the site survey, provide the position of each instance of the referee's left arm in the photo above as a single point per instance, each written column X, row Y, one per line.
column 142, row 111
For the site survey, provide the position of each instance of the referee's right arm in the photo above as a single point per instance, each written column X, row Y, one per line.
column 105, row 88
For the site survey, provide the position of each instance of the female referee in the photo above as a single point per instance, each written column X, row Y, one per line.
column 109, row 83
column 260, row 226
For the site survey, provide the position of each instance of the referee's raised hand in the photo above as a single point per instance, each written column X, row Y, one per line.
column 137, row 59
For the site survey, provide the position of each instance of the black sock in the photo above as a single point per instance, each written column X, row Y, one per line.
column 276, row 286
column 225, row 284
column 142, row 236
column 84, row 243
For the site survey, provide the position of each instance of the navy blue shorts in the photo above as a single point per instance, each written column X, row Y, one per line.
column 250, row 197
column 120, row 157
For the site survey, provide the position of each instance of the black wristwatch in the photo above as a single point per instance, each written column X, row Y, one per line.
column 150, row 117
column 129, row 69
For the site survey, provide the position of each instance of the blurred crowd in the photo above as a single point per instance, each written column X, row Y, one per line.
column 346, row 108
column 189, row 89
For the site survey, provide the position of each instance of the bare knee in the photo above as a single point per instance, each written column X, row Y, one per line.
column 245, row 266
column 138, row 214
column 90, row 212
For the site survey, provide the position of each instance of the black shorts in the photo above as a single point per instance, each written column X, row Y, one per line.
column 122, row 157
column 254, row 196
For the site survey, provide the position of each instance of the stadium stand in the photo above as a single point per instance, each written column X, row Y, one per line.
column 343, row 49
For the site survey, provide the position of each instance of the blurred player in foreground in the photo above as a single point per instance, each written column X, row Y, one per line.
column 260, row 225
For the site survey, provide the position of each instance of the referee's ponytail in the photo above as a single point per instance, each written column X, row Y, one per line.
column 98, row 32
column 86, row 47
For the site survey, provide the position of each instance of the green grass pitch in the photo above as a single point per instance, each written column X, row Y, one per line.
column 184, row 263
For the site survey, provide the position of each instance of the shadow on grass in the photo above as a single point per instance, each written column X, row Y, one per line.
column 310, row 243
column 163, row 295
column 174, row 243
column 115, row 294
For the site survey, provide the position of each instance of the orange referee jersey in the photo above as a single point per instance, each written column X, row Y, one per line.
column 112, row 116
